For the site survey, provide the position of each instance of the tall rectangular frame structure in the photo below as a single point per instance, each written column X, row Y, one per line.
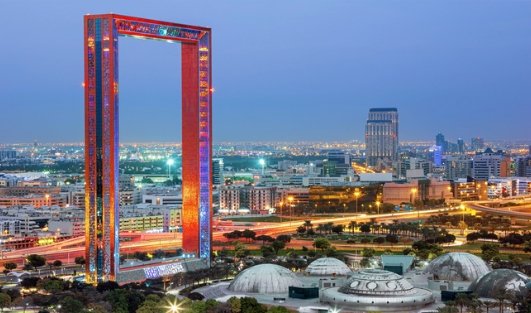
column 102, row 252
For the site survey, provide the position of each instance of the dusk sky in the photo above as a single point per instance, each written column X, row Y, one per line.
column 283, row 70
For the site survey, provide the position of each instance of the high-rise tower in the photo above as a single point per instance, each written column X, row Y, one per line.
column 381, row 136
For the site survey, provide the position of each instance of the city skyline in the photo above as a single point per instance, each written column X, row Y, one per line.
column 426, row 59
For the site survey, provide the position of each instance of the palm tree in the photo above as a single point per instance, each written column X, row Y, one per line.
column 352, row 226
column 308, row 225
column 502, row 296
column 488, row 304
column 320, row 228
column 328, row 227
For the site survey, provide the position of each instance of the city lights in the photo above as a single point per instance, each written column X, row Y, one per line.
column 307, row 199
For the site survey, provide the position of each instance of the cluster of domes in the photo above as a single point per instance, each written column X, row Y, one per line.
column 265, row 279
column 378, row 290
column 491, row 284
column 328, row 267
column 457, row 266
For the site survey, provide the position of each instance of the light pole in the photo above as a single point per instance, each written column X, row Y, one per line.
column 357, row 194
column 170, row 162
column 412, row 195
column 412, row 199
column 290, row 201
column 262, row 163
column 378, row 207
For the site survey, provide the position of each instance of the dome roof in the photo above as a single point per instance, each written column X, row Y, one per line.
column 457, row 266
column 264, row 278
column 328, row 267
column 377, row 282
column 498, row 280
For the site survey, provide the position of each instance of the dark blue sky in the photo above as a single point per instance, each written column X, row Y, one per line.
column 283, row 70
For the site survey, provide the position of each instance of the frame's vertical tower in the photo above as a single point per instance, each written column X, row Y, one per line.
column 101, row 149
column 101, row 136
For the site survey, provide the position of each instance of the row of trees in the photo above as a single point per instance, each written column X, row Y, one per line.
column 477, row 222
column 396, row 229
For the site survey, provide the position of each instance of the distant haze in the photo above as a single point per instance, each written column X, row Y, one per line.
column 283, row 70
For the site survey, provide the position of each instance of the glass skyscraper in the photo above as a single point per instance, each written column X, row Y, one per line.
column 381, row 136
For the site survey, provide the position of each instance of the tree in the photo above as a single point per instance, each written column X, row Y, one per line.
column 248, row 234
column 449, row 308
column 150, row 305
column 352, row 226
column 57, row 263
column 69, row 305
column 29, row 282
column 338, row 229
column 264, row 238
column 489, row 251
column 278, row 245
column 5, row 301
column 52, row 286
column 462, row 300
column 301, row 230
column 365, row 228
column 267, row 251
column 278, row 309
column 368, row 253
column 147, row 180
column 527, row 246
column 235, row 305
column 158, row 254
column 10, row 266
column 379, row 240
column 322, row 244
column 250, row 305
column 284, row 238
column 118, row 300
column 79, row 260
column 240, row 251
column 107, row 286
column 36, row 260
column 391, row 238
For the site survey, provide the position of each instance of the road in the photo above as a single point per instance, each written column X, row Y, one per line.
column 522, row 211
column 68, row 250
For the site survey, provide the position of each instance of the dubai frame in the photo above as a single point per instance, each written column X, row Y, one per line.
column 102, row 252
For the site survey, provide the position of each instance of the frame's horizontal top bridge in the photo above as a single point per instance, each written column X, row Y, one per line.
column 141, row 27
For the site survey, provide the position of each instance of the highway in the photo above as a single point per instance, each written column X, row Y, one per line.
column 69, row 249
column 522, row 211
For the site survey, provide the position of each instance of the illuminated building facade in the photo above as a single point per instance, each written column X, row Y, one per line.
column 381, row 136
column 102, row 138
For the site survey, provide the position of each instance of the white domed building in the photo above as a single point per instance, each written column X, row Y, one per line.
column 264, row 279
column 455, row 271
column 491, row 284
column 328, row 267
column 377, row 290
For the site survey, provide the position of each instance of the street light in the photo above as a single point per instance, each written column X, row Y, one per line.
column 378, row 206
column 262, row 163
column 412, row 198
column 174, row 307
column 169, row 162
column 357, row 194
column 290, row 200
column 412, row 195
